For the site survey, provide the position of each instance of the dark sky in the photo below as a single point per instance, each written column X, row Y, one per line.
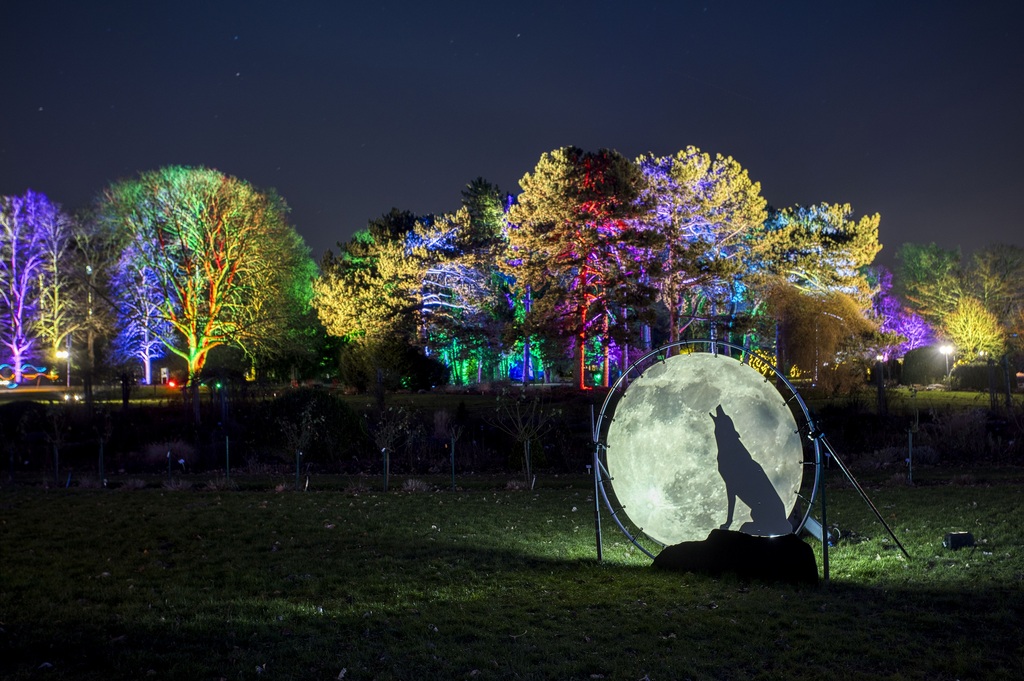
column 911, row 110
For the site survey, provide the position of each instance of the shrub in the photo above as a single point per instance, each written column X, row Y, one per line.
column 177, row 485
column 981, row 377
column 221, row 484
column 157, row 453
column 319, row 422
column 415, row 485
column 132, row 483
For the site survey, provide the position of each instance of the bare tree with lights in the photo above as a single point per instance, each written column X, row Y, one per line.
column 217, row 250
column 22, row 265
column 58, row 314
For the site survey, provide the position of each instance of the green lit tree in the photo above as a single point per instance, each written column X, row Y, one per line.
column 217, row 250
column 930, row 279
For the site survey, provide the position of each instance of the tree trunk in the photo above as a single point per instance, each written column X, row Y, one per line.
column 581, row 351
column 527, row 306
column 606, row 363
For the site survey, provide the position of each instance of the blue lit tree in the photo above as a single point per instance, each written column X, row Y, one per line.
column 706, row 211
column 142, row 328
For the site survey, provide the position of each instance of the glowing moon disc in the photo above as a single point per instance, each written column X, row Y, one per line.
column 694, row 431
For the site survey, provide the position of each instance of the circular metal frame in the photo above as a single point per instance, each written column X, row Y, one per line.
column 602, row 480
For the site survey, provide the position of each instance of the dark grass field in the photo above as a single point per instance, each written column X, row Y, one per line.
column 345, row 581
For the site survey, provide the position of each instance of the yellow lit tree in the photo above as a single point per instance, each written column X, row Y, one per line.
column 974, row 331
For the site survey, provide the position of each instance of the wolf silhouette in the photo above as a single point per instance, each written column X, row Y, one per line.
column 745, row 479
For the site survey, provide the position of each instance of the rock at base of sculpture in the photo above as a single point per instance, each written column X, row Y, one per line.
column 771, row 559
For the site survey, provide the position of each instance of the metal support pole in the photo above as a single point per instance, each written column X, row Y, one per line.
column 597, row 503
column 863, row 495
column 597, row 491
column 824, row 529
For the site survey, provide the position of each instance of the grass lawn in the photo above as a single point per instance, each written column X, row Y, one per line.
column 486, row 583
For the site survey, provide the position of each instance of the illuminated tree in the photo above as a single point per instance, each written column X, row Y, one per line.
column 705, row 210
column 370, row 291
column 457, row 295
column 996, row 277
column 466, row 299
column 931, row 280
column 141, row 326
column 905, row 327
column 22, row 265
column 57, row 314
column 211, row 243
column 371, row 296
column 820, row 333
column 821, row 248
column 974, row 330
column 96, row 252
column 570, row 232
column 279, row 294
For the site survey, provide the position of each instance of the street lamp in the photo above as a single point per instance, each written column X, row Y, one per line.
column 946, row 350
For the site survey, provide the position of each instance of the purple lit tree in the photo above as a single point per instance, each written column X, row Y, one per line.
column 22, row 263
column 895, row 319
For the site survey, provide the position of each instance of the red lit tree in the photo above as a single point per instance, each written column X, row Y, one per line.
column 569, row 241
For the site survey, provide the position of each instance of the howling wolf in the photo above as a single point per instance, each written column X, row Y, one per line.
column 744, row 478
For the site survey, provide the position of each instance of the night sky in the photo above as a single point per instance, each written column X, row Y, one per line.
column 911, row 110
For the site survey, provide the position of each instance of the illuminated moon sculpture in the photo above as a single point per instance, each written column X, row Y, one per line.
column 702, row 441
